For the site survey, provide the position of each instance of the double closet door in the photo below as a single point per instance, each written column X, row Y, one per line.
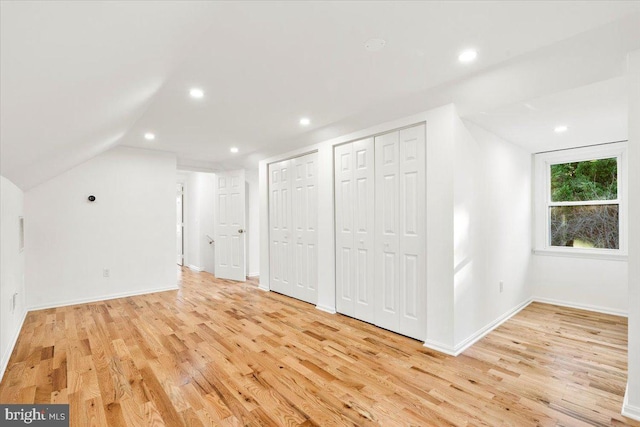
column 380, row 230
column 293, row 230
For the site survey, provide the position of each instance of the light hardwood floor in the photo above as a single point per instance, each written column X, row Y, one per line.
column 224, row 353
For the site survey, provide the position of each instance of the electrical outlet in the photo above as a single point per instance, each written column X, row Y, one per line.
column 105, row 272
column 501, row 286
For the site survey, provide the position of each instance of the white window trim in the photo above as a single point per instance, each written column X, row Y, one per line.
column 542, row 199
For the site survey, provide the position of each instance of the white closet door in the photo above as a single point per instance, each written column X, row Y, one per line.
column 387, row 286
column 412, row 277
column 280, row 227
column 293, row 234
column 400, row 232
column 343, row 199
column 305, row 227
column 354, row 198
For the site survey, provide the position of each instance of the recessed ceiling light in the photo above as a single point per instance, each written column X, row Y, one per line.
column 305, row 121
column 467, row 56
column 149, row 136
column 374, row 45
column 560, row 129
column 233, row 149
column 196, row 93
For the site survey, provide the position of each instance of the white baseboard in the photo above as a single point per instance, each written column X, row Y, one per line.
column 326, row 309
column 478, row 335
column 263, row 287
column 102, row 298
column 589, row 307
column 474, row 338
column 253, row 274
column 194, row 268
column 12, row 344
column 628, row 410
column 439, row 347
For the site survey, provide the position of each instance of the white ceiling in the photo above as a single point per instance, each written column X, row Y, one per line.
column 78, row 78
column 593, row 114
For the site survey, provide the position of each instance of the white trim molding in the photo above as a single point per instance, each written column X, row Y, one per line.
column 588, row 307
column 440, row 347
column 628, row 410
column 326, row 308
column 471, row 340
column 478, row 335
column 14, row 340
column 103, row 298
column 194, row 268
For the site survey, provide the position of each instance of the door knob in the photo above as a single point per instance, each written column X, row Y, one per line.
column 240, row 231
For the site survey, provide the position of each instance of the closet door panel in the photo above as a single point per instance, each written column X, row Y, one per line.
column 380, row 236
column 305, row 227
column 387, row 236
column 280, row 227
column 364, row 228
column 344, row 211
column 412, row 316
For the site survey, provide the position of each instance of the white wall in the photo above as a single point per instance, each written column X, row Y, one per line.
column 632, row 398
column 199, row 221
column 253, row 222
column 129, row 229
column 592, row 284
column 492, row 230
column 11, row 269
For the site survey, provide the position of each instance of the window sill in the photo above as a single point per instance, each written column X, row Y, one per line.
column 581, row 254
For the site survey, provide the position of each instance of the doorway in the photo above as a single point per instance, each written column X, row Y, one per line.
column 180, row 223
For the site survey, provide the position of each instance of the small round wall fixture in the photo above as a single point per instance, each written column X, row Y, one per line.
column 374, row 45
column 92, row 198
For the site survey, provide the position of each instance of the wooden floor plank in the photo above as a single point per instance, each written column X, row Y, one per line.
column 223, row 353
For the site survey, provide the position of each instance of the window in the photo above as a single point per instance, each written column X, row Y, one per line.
column 580, row 199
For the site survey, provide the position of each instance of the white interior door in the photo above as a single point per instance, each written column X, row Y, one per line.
column 304, row 204
column 180, row 223
column 280, row 227
column 293, row 234
column 387, row 286
column 230, row 225
column 400, row 231
column 354, row 201
column 412, row 250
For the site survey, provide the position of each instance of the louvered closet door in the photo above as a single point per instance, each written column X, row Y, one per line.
column 305, row 228
column 354, row 200
column 400, row 236
column 280, row 227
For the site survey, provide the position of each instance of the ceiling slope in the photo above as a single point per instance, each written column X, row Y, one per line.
column 81, row 77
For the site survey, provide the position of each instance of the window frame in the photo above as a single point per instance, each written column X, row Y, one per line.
column 543, row 203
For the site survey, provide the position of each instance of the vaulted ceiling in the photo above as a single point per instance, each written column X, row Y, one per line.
column 78, row 78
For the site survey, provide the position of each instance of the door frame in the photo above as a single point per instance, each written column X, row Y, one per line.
column 182, row 222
